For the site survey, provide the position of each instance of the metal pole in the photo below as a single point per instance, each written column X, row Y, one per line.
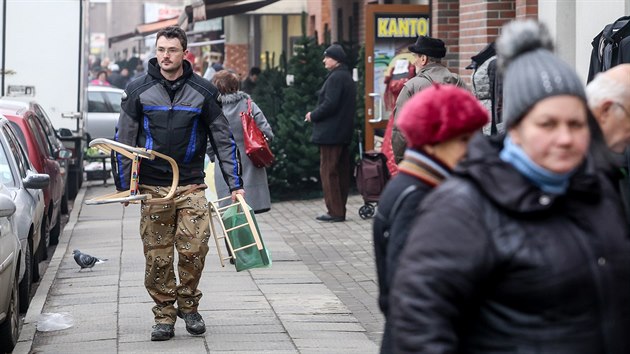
column 4, row 42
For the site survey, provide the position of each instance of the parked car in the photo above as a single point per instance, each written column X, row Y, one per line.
column 48, row 155
column 103, row 111
column 25, row 187
column 10, row 254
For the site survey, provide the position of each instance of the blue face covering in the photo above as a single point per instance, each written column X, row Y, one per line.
column 547, row 181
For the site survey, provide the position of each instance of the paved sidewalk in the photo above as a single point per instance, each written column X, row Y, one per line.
column 319, row 296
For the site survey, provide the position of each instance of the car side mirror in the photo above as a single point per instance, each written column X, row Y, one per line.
column 63, row 154
column 64, row 132
column 7, row 207
column 36, row 180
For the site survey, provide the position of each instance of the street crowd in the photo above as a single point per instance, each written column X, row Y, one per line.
column 504, row 230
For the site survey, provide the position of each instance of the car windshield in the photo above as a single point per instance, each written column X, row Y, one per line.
column 114, row 99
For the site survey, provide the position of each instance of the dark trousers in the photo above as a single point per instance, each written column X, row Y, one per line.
column 334, row 170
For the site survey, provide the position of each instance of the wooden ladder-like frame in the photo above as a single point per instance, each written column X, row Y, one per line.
column 218, row 212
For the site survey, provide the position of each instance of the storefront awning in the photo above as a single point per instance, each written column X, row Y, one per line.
column 143, row 30
column 213, row 9
column 222, row 8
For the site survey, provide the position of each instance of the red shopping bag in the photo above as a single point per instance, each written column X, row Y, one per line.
column 256, row 145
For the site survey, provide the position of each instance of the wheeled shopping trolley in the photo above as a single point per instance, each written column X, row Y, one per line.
column 371, row 175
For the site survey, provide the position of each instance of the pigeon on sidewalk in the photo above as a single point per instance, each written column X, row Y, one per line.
column 85, row 260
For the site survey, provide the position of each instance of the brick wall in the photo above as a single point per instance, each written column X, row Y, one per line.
column 527, row 9
column 236, row 58
column 480, row 24
column 322, row 12
column 445, row 26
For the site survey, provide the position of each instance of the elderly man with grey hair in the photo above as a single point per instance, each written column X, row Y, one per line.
column 609, row 100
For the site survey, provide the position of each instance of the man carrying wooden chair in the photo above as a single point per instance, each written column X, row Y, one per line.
column 174, row 112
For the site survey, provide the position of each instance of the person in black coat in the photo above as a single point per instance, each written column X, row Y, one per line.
column 333, row 125
column 437, row 123
column 525, row 248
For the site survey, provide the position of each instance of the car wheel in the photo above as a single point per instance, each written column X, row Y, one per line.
column 10, row 328
column 42, row 249
column 64, row 204
column 56, row 231
column 45, row 238
column 72, row 186
column 25, row 284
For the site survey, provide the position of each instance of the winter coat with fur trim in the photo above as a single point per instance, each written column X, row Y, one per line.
column 254, row 178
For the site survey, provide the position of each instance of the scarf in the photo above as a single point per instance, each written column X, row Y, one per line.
column 547, row 181
column 424, row 167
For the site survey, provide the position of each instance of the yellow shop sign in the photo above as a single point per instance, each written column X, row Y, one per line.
column 401, row 27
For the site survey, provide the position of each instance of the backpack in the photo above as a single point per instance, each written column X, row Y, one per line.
column 610, row 47
column 454, row 79
column 487, row 86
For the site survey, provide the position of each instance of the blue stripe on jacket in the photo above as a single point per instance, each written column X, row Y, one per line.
column 121, row 174
column 234, row 151
column 148, row 144
column 185, row 108
column 190, row 150
column 156, row 108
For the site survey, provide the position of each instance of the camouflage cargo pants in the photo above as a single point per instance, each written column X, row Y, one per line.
column 182, row 223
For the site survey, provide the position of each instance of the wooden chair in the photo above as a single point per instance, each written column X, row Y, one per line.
column 135, row 154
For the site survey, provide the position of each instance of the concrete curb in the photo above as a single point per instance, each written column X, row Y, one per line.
column 25, row 342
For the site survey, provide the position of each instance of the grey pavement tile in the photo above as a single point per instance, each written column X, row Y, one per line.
column 316, row 317
column 77, row 299
column 74, row 336
column 246, row 329
column 95, row 289
column 95, row 346
column 219, row 344
column 87, row 280
column 295, row 351
column 339, row 350
column 337, row 345
column 183, row 344
column 294, row 327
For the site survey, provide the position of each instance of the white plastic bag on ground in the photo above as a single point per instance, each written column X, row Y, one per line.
column 54, row 321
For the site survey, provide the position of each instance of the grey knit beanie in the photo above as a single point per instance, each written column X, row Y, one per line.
column 531, row 72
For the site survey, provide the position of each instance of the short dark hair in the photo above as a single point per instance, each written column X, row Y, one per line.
column 173, row 32
column 254, row 71
column 226, row 81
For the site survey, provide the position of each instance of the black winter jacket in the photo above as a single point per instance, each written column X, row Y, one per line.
column 495, row 265
column 176, row 119
column 333, row 118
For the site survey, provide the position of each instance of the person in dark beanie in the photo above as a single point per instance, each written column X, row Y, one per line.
column 249, row 84
column 428, row 53
column 525, row 248
column 333, row 125
column 437, row 124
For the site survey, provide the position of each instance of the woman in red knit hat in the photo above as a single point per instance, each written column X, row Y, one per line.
column 437, row 123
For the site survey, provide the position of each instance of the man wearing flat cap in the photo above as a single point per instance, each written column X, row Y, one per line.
column 428, row 53
column 333, row 126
